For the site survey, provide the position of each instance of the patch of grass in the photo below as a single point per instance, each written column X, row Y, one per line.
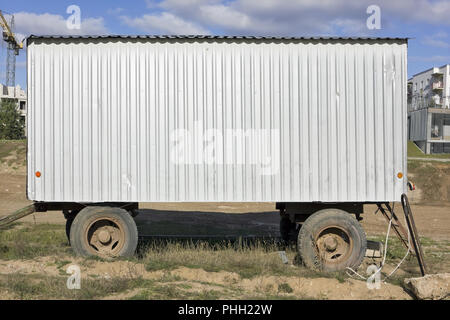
column 167, row 277
column 435, row 256
column 396, row 250
column 285, row 288
column 248, row 261
column 398, row 281
column 142, row 295
column 32, row 241
column 175, row 291
column 185, row 286
column 169, row 291
column 414, row 151
column 153, row 264
column 61, row 263
column 339, row 276
column 207, row 295
column 53, row 287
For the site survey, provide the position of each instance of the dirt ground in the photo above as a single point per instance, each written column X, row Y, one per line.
column 200, row 280
column 221, row 219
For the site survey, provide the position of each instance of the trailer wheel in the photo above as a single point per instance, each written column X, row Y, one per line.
column 104, row 232
column 331, row 240
column 69, row 222
column 70, row 216
column 288, row 230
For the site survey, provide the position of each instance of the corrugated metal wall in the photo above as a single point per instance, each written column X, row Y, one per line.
column 418, row 125
column 102, row 114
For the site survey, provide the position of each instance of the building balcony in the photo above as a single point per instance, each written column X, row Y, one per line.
column 437, row 72
column 438, row 85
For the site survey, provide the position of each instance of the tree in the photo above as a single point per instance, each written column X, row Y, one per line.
column 11, row 123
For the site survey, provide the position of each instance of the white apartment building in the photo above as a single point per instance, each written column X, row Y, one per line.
column 21, row 97
column 429, row 109
column 430, row 88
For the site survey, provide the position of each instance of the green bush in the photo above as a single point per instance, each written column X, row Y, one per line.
column 11, row 123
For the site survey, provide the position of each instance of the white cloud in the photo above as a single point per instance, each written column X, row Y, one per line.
column 436, row 43
column 429, row 11
column 433, row 59
column 289, row 17
column 271, row 17
column 228, row 16
column 115, row 11
column 438, row 40
column 349, row 26
column 52, row 24
column 440, row 34
column 165, row 23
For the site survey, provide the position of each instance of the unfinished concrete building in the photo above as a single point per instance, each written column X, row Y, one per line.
column 429, row 110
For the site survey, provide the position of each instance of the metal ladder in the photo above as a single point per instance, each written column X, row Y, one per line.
column 388, row 212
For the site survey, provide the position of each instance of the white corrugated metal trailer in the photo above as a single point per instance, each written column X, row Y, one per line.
column 317, row 125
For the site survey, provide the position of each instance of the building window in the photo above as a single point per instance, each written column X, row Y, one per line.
column 22, row 105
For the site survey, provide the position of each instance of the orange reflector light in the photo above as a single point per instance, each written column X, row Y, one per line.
column 38, row 174
column 399, row 175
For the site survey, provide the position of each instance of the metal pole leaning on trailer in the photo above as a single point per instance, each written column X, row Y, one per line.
column 17, row 215
column 415, row 239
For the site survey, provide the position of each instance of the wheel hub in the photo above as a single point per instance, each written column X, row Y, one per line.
column 104, row 236
column 330, row 243
column 333, row 244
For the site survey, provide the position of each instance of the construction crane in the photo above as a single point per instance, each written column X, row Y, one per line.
column 12, row 50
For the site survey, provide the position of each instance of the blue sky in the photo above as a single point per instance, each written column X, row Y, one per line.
column 427, row 22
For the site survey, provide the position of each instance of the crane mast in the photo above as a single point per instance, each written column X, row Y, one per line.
column 13, row 47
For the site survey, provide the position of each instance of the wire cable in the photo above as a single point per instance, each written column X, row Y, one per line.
column 385, row 251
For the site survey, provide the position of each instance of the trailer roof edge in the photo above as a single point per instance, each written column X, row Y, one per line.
column 215, row 37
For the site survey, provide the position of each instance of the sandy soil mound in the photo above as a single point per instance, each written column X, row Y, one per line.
column 199, row 279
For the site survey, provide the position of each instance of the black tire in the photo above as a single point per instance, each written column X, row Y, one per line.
column 70, row 216
column 331, row 240
column 69, row 222
column 288, row 230
column 93, row 222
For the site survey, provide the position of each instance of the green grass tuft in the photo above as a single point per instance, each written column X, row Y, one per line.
column 30, row 241
column 415, row 152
